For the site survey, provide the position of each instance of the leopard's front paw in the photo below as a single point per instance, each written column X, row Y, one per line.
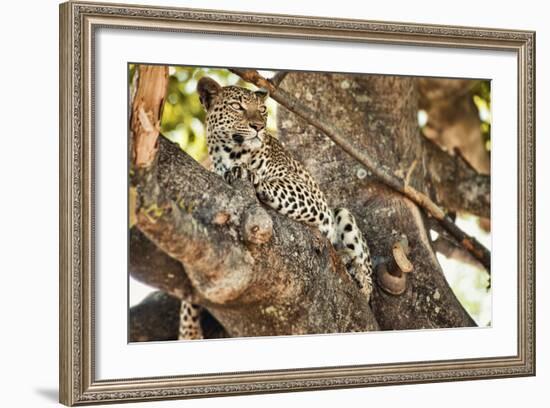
column 358, row 271
column 366, row 285
column 235, row 173
column 362, row 277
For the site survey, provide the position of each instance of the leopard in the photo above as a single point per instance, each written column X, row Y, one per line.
column 240, row 147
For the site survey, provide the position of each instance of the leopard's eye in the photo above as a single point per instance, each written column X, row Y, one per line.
column 236, row 106
column 263, row 109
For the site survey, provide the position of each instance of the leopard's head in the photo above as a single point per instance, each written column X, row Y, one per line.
column 234, row 115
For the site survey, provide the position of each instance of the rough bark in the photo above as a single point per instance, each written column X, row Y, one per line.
column 455, row 184
column 380, row 114
column 147, row 104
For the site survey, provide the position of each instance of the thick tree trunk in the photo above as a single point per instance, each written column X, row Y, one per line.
column 380, row 112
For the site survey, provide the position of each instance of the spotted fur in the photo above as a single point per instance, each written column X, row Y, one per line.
column 190, row 327
column 240, row 147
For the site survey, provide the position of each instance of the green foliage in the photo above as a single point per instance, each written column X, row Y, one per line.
column 182, row 115
column 131, row 72
column 481, row 95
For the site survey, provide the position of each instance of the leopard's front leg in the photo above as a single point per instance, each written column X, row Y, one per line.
column 296, row 199
column 358, row 269
column 235, row 173
column 238, row 172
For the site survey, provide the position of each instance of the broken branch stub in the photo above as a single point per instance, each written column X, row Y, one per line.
column 146, row 112
column 392, row 275
column 257, row 226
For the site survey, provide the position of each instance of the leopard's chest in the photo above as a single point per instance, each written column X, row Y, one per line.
column 224, row 158
column 264, row 162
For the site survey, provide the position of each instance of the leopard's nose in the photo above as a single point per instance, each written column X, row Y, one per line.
column 257, row 126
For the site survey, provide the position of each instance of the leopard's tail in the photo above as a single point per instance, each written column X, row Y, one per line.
column 350, row 242
column 190, row 325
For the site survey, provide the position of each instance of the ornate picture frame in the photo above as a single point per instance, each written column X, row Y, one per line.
column 79, row 23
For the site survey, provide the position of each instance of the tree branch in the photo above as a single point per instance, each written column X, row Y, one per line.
column 278, row 78
column 152, row 81
column 450, row 250
column 456, row 184
column 381, row 172
column 156, row 318
column 152, row 266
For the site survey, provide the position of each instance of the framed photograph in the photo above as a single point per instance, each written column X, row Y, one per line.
column 256, row 203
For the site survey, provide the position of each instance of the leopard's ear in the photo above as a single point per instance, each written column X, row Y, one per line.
column 262, row 93
column 208, row 89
